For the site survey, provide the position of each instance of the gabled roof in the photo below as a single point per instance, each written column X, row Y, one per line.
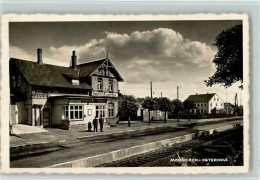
column 201, row 98
column 48, row 75
column 87, row 69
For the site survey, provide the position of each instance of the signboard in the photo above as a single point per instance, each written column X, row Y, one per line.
column 111, row 94
column 94, row 93
column 94, row 101
column 97, row 93
column 37, row 95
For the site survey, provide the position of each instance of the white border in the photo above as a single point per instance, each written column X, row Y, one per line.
column 5, row 100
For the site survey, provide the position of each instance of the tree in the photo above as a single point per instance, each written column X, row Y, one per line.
column 229, row 58
column 165, row 105
column 188, row 105
column 128, row 105
column 177, row 104
column 148, row 103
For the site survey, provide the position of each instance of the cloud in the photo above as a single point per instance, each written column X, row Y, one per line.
column 160, row 55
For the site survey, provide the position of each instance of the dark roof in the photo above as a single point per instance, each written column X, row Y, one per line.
column 87, row 69
column 201, row 98
column 48, row 75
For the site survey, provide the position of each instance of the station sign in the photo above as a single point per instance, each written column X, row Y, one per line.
column 95, row 93
column 39, row 95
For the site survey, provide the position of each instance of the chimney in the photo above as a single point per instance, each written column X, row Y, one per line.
column 39, row 56
column 74, row 60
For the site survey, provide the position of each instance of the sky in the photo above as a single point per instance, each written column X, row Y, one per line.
column 168, row 53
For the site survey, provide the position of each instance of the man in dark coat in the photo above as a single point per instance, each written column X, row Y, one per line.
column 95, row 124
column 101, row 123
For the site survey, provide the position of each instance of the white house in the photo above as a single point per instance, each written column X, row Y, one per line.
column 207, row 103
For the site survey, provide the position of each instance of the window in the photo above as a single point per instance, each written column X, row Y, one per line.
column 75, row 82
column 110, row 85
column 100, row 71
column 72, row 112
column 13, row 81
column 216, row 104
column 65, row 112
column 90, row 112
column 100, row 84
column 18, row 81
column 217, row 99
column 205, row 104
column 111, row 110
column 100, row 111
column 76, row 112
column 198, row 105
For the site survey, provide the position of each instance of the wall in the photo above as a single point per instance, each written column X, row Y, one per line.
column 201, row 106
column 94, row 80
column 57, row 111
column 21, row 99
column 215, row 102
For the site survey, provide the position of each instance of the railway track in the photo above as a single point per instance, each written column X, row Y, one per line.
column 184, row 150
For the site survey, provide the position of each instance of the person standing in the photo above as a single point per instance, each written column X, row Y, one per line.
column 101, row 123
column 95, row 124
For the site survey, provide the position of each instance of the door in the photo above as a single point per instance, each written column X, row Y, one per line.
column 46, row 117
column 37, row 116
column 89, row 113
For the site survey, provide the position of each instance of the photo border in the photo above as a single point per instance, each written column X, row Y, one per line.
column 5, row 95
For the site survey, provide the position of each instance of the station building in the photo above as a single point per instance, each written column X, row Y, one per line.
column 47, row 95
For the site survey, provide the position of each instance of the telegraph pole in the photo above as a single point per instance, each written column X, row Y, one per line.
column 161, row 95
column 151, row 90
column 177, row 92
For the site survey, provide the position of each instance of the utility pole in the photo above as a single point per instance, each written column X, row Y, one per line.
column 177, row 92
column 151, row 90
column 161, row 95
column 236, row 102
column 240, row 99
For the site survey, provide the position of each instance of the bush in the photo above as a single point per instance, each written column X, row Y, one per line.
column 198, row 116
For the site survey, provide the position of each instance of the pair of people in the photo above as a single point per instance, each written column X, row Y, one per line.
column 95, row 124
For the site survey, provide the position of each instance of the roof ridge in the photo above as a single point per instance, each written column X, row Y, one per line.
column 202, row 94
column 37, row 63
column 91, row 62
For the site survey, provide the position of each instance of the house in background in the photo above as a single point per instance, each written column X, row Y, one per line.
column 209, row 103
column 47, row 95
column 229, row 108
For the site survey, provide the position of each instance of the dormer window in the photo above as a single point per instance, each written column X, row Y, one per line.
column 75, row 82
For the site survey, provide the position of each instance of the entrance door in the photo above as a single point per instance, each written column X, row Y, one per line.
column 46, row 117
column 89, row 112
